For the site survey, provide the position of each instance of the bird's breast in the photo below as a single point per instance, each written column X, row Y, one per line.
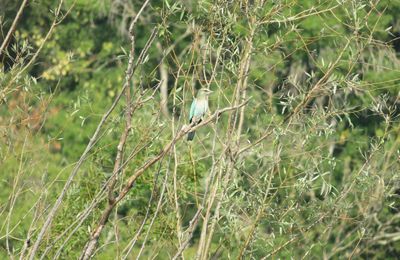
column 201, row 108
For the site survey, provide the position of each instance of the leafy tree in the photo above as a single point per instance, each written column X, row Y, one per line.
column 297, row 158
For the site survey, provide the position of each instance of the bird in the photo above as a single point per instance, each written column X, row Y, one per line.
column 198, row 109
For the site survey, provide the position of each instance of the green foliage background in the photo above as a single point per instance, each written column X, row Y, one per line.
column 326, row 184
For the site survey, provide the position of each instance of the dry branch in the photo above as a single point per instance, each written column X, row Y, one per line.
column 92, row 243
column 13, row 27
column 93, row 140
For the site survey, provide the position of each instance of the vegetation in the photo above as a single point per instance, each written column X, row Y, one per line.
column 297, row 158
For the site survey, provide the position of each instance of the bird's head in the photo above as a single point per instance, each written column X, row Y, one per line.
column 203, row 93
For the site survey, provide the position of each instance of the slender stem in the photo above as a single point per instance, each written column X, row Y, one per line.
column 13, row 27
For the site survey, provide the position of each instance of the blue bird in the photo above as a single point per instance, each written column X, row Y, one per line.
column 198, row 109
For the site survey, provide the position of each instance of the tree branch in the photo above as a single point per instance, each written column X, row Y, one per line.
column 92, row 243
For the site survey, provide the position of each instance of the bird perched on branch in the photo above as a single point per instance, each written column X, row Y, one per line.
column 198, row 109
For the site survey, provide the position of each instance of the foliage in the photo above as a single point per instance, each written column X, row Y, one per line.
column 308, row 167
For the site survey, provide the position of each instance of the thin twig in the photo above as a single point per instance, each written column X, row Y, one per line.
column 91, row 244
column 13, row 27
column 92, row 142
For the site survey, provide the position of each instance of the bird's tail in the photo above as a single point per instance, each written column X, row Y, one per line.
column 191, row 135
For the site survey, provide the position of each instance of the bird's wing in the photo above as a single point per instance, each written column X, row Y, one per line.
column 192, row 109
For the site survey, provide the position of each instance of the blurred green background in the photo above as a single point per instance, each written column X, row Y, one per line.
column 331, row 174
